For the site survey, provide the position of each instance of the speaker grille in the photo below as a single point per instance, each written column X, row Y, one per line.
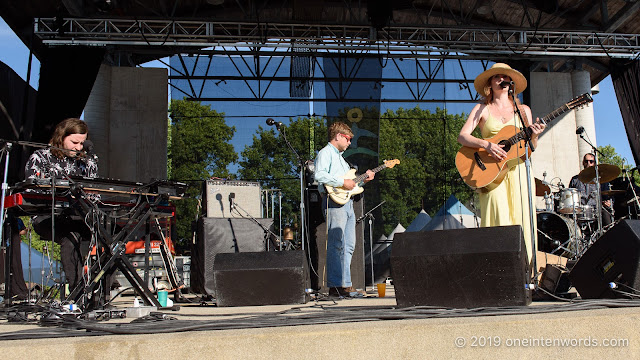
column 265, row 278
column 460, row 268
column 612, row 258
column 246, row 195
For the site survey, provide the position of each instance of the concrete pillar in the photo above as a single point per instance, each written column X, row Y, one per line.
column 581, row 83
column 127, row 117
column 557, row 152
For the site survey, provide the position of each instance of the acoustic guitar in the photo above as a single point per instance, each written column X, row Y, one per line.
column 482, row 172
column 341, row 196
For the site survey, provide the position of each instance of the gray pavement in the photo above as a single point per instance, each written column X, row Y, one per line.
column 364, row 328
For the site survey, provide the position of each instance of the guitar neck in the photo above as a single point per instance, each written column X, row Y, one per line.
column 360, row 178
column 554, row 114
column 545, row 120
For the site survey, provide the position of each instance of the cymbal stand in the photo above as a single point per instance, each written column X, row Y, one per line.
column 578, row 241
column 598, row 209
column 635, row 201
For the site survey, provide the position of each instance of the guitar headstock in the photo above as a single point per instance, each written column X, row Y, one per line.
column 580, row 101
column 391, row 163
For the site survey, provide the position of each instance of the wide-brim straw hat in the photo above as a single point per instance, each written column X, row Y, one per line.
column 500, row 68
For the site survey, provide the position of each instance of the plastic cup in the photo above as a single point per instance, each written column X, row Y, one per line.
column 162, row 297
column 381, row 289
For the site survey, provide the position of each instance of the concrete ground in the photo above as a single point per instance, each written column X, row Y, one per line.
column 369, row 327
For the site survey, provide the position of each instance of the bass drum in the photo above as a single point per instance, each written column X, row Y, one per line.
column 555, row 233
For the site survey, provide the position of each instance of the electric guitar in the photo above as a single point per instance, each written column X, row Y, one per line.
column 482, row 172
column 341, row 196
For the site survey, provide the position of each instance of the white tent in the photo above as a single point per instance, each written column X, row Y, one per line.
column 39, row 262
column 398, row 229
column 452, row 215
column 419, row 221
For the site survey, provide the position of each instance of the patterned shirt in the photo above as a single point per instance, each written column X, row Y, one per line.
column 43, row 164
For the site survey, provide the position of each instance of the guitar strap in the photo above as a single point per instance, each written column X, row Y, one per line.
column 524, row 114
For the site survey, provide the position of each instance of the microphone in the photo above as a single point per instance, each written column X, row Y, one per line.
column 271, row 122
column 505, row 83
column 88, row 147
column 232, row 196
column 87, row 151
column 579, row 130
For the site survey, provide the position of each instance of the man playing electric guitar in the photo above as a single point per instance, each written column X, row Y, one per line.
column 330, row 166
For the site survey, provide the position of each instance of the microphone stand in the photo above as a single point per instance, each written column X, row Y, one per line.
column 528, row 144
column 369, row 214
column 267, row 232
column 303, row 219
column 598, row 211
column 6, row 149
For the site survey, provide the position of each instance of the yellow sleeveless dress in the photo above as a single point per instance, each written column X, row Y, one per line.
column 508, row 203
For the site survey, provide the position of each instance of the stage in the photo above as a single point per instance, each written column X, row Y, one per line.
column 368, row 327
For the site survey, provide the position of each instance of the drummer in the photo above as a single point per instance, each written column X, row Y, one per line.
column 588, row 192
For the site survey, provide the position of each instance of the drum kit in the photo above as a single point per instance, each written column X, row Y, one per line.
column 567, row 226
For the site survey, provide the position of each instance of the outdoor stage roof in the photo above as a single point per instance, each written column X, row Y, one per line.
column 553, row 35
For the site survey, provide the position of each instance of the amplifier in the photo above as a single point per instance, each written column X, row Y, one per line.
column 219, row 194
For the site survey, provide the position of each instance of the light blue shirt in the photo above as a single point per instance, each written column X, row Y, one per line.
column 330, row 167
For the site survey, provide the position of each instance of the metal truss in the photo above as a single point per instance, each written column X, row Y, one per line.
column 190, row 74
column 392, row 41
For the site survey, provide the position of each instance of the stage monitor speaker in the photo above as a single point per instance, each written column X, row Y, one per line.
column 263, row 278
column 318, row 241
column 612, row 258
column 461, row 268
column 223, row 235
column 245, row 194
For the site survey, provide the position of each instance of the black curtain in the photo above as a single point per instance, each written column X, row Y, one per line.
column 67, row 75
column 17, row 101
column 626, row 82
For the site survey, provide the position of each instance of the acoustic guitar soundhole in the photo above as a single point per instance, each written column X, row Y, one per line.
column 507, row 145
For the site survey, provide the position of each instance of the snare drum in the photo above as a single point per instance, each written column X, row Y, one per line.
column 588, row 213
column 569, row 201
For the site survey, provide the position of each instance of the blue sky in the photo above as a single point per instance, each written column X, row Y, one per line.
column 609, row 126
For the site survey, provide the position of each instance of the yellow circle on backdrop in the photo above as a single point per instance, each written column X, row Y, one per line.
column 354, row 115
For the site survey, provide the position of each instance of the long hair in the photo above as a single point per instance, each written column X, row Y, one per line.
column 65, row 128
column 488, row 96
column 339, row 127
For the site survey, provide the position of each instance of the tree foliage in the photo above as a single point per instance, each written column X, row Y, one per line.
column 608, row 155
column 200, row 148
column 270, row 161
column 425, row 142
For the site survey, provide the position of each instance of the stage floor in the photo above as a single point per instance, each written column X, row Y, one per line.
column 368, row 327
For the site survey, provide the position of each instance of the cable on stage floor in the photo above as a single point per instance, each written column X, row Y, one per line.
column 159, row 322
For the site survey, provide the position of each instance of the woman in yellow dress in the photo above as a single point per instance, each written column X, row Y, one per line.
column 508, row 203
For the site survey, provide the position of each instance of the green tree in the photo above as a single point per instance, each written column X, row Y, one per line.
column 608, row 155
column 271, row 162
column 199, row 149
column 425, row 142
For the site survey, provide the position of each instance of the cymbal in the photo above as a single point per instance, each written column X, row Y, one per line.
column 614, row 192
column 607, row 173
column 541, row 188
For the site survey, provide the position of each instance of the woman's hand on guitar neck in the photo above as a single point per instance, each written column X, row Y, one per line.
column 495, row 151
column 537, row 128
